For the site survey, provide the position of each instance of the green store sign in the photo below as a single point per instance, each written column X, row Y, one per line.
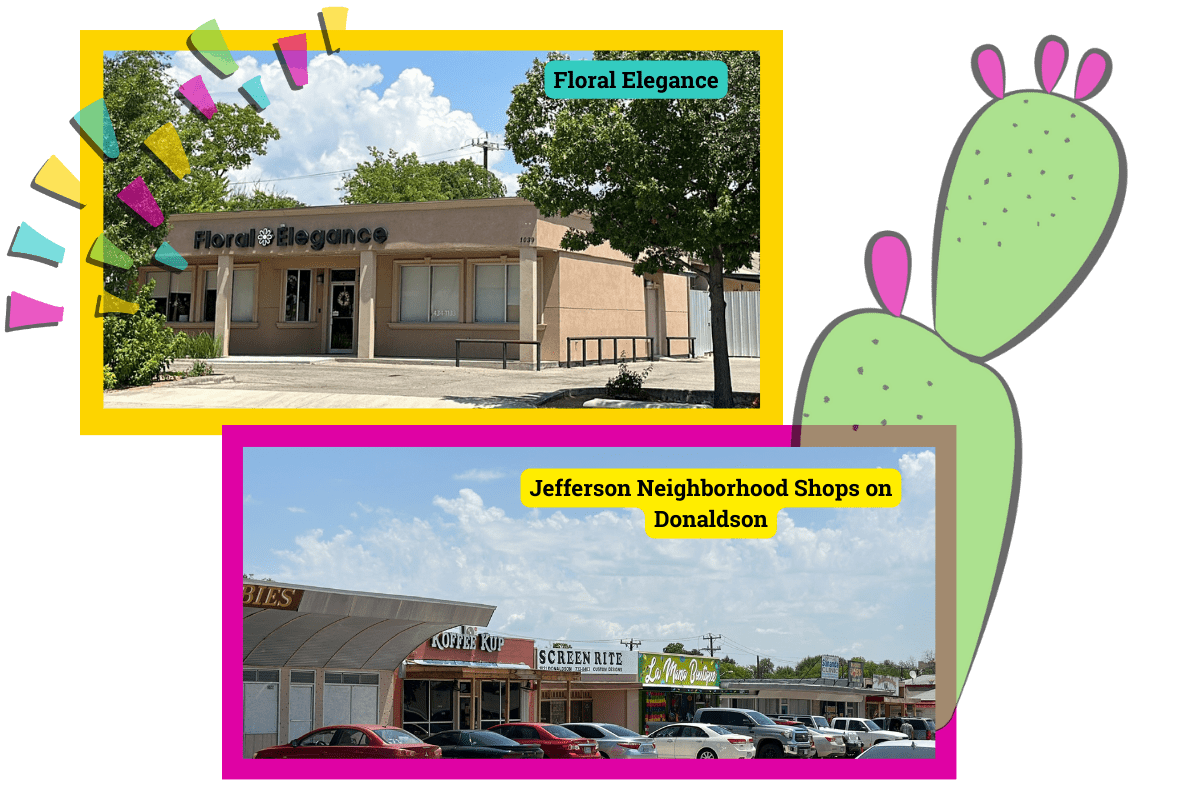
column 665, row 669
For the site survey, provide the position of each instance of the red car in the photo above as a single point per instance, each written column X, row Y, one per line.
column 555, row 740
column 354, row 741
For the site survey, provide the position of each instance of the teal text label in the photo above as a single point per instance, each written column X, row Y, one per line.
column 637, row 80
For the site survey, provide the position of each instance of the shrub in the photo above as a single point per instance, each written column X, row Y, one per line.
column 138, row 347
column 627, row 382
column 202, row 345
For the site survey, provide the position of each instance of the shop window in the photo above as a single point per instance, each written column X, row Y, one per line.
column 300, row 703
column 244, row 282
column 297, row 299
column 260, row 701
column 429, row 293
column 351, row 698
column 497, row 292
column 172, row 295
column 428, row 707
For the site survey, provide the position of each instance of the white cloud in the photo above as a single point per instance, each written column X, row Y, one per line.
column 328, row 124
column 918, row 471
column 479, row 475
column 247, row 500
column 296, row 510
column 597, row 576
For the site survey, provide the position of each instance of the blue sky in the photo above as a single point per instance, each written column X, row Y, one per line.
column 431, row 103
column 448, row 523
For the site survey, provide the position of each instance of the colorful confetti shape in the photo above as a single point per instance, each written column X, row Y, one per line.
column 138, row 197
column 332, row 18
column 294, row 50
column 165, row 144
column 25, row 312
column 58, row 181
column 96, row 126
column 111, row 304
column 196, row 94
column 109, row 254
column 207, row 43
column 169, row 257
column 254, row 93
column 29, row 242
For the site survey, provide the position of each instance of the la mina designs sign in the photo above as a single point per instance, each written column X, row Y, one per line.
column 286, row 236
column 686, row 672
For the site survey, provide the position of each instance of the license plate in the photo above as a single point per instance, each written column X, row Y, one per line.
column 646, row 748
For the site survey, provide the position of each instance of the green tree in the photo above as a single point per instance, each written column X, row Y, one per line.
column 677, row 649
column 732, row 670
column 764, row 668
column 669, row 183
column 140, row 96
column 138, row 347
column 257, row 198
column 393, row 178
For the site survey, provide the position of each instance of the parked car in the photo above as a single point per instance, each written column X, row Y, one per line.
column 354, row 741
column 770, row 740
column 868, row 731
column 854, row 744
column 698, row 740
column 922, row 729
column 482, row 744
column 901, row 749
column 615, row 741
column 555, row 740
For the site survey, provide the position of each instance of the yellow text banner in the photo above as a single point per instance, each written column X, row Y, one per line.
column 710, row 503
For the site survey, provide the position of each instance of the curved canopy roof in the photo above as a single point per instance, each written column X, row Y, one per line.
column 334, row 629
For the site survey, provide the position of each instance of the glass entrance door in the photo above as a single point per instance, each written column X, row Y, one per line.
column 341, row 320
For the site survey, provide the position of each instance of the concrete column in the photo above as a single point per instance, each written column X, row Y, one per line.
column 366, row 304
column 529, row 301
column 224, row 301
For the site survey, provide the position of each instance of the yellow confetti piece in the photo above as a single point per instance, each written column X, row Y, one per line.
column 165, row 144
column 332, row 19
column 59, row 181
column 110, row 304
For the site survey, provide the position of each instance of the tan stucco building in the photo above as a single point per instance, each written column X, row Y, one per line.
column 406, row 280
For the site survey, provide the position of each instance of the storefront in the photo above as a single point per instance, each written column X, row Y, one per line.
column 674, row 687
column 313, row 657
column 606, row 691
column 406, row 280
column 469, row 679
column 819, row 697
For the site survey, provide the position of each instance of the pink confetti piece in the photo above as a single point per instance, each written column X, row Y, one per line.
column 196, row 93
column 25, row 312
column 138, row 197
column 295, row 57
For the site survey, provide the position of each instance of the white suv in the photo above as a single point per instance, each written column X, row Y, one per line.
column 867, row 730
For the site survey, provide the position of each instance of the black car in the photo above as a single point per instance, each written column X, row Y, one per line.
column 481, row 744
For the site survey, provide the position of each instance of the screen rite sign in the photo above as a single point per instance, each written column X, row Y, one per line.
column 573, row 659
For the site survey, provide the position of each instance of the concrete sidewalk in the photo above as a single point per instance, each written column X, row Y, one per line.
column 324, row 382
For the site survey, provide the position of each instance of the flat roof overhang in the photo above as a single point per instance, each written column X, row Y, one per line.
column 334, row 629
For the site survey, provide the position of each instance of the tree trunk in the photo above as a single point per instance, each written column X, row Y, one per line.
column 722, row 380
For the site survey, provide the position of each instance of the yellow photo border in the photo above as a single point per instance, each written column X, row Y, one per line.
column 95, row 419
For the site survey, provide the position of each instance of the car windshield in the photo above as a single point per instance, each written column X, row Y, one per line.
column 821, row 722
column 487, row 739
column 902, row 751
column 759, row 719
column 560, row 732
column 619, row 731
column 392, row 736
column 871, row 726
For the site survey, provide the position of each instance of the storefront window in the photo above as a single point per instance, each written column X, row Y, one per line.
column 429, row 293
column 497, row 292
column 244, row 281
column 492, row 711
column 429, row 707
column 172, row 295
column 298, row 295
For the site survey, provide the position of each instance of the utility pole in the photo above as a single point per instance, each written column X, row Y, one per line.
column 631, row 642
column 711, row 650
column 487, row 144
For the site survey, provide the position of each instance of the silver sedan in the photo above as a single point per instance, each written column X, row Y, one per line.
column 615, row 741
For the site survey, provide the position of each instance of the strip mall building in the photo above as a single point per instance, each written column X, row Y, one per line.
column 406, row 280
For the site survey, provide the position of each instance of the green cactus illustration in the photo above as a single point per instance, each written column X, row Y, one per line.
column 1030, row 197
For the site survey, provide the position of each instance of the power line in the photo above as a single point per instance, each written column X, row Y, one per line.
column 711, row 650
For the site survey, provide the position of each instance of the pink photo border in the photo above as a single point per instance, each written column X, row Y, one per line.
column 236, row 438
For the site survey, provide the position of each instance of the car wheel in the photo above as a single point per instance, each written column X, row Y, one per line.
column 706, row 753
column 603, row 754
column 770, row 750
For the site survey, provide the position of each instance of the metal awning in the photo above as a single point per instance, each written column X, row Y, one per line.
column 334, row 629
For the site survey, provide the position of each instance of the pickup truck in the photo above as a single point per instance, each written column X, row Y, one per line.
column 770, row 740
column 853, row 742
column 867, row 730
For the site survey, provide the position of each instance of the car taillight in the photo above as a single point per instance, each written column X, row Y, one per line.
column 572, row 747
column 738, row 741
column 629, row 745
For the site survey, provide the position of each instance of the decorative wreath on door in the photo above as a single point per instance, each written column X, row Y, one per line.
column 344, row 298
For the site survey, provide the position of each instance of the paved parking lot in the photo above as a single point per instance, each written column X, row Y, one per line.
column 323, row 382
